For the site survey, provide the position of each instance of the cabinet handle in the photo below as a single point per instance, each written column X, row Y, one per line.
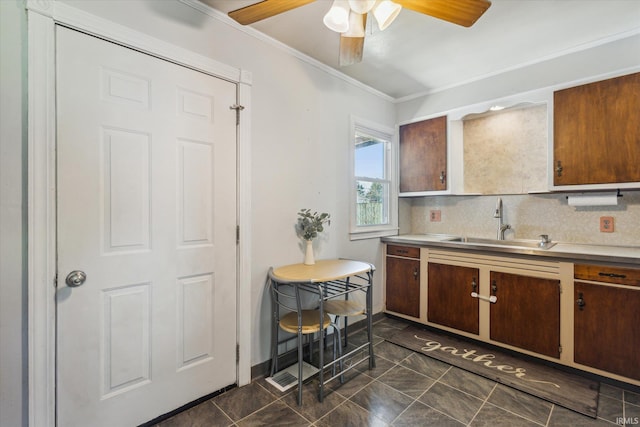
column 559, row 168
column 415, row 273
column 616, row 275
column 580, row 301
column 474, row 285
column 443, row 176
column 494, row 287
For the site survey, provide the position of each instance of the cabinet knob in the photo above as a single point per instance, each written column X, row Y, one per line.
column 474, row 285
column 580, row 301
column 415, row 273
column 559, row 168
column 494, row 288
column 443, row 176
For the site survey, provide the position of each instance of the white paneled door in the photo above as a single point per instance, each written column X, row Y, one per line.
column 146, row 180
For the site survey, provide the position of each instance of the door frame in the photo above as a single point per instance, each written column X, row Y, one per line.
column 43, row 16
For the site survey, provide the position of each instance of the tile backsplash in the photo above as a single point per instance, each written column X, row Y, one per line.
column 506, row 152
column 529, row 216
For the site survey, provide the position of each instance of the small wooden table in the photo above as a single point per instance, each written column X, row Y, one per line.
column 327, row 279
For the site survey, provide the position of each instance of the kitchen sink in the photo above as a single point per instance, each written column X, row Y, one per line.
column 520, row 243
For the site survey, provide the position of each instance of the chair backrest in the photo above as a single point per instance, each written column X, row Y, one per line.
column 288, row 309
column 283, row 298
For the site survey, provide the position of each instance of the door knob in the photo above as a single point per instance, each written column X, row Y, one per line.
column 75, row 278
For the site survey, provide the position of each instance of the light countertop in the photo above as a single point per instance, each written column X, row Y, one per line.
column 574, row 251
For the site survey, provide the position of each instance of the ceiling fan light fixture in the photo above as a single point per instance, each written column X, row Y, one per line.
column 361, row 6
column 385, row 12
column 337, row 18
column 356, row 25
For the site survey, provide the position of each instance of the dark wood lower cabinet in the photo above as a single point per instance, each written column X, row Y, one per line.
column 606, row 328
column 449, row 297
column 527, row 312
column 403, row 286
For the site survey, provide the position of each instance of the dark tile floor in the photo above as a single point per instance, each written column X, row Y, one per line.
column 405, row 389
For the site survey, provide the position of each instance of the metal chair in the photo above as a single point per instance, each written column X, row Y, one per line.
column 344, row 308
column 289, row 315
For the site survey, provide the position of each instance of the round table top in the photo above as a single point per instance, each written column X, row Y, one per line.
column 321, row 271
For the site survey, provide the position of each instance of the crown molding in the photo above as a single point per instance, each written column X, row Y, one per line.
column 576, row 49
column 77, row 19
column 223, row 18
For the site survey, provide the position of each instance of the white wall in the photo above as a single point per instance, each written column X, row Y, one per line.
column 300, row 129
column 13, row 303
column 598, row 60
column 299, row 153
column 300, row 135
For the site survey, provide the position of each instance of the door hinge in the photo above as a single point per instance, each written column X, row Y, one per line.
column 237, row 353
column 237, row 234
column 560, row 350
column 560, row 287
column 55, row 280
column 238, row 108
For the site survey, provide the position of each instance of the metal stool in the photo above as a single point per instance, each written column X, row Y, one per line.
column 301, row 322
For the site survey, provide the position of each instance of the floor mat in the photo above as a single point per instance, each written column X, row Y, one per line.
column 562, row 388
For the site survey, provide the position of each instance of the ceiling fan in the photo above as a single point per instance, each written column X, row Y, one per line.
column 348, row 17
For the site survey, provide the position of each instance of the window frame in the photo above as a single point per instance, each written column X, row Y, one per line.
column 386, row 133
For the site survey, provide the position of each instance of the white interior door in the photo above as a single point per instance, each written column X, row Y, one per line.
column 146, row 179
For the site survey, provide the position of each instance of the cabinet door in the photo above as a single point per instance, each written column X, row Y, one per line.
column 423, row 156
column 449, row 301
column 527, row 312
column 606, row 328
column 597, row 132
column 403, row 286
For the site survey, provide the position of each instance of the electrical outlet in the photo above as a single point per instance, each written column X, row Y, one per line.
column 606, row 224
column 435, row 216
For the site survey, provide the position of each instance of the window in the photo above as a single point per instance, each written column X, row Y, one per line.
column 373, row 192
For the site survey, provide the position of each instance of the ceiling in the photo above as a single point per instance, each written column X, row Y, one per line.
column 418, row 54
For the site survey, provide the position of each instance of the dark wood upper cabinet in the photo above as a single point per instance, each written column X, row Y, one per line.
column 423, row 156
column 527, row 312
column 449, row 300
column 597, row 132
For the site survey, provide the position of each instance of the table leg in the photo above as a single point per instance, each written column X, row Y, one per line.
column 320, row 346
column 300, row 362
column 372, row 361
column 274, row 333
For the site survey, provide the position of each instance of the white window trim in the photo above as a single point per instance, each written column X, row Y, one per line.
column 384, row 132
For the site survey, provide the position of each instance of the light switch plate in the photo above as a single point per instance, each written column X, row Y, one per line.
column 606, row 224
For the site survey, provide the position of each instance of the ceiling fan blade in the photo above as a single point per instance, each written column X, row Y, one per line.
column 461, row 12
column 265, row 9
column 351, row 48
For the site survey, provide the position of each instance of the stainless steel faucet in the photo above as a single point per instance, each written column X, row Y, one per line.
column 498, row 214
